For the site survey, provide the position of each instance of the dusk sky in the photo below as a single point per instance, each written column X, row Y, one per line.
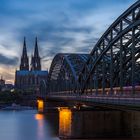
column 62, row 26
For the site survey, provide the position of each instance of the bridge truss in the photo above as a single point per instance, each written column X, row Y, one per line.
column 115, row 59
column 64, row 72
column 113, row 62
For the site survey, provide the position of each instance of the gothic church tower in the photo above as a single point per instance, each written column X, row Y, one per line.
column 24, row 65
column 36, row 61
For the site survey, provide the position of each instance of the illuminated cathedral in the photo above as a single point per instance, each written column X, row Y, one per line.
column 28, row 77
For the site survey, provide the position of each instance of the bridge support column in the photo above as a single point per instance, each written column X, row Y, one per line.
column 40, row 106
column 136, row 124
column 91, row 124
column 130, row 122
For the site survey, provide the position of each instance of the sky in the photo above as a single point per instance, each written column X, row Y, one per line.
column 62, row 26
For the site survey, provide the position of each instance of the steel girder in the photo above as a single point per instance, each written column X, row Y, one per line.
column 114, row 60
column 64, row 72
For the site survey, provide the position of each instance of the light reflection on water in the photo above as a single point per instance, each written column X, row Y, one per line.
column 65, row 115
column 28, row 125
column 24, row 125
column 39, row 116
column 65, row 125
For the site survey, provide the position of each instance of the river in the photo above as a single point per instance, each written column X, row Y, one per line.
column 27, row 125
column 24, row 125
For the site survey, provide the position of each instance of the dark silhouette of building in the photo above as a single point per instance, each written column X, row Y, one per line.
column 2, row 83
column 35, row 62
column 29, row 78
column 24, row 65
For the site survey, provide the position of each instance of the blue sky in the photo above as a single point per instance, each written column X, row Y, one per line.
column 71, row 26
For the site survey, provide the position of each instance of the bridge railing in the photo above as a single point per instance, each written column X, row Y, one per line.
column 133, row 100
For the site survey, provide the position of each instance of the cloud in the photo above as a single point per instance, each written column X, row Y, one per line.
column 8, row 61
column 72, row 26
column 7, row 71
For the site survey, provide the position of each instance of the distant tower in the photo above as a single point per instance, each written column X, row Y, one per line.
column 35, row 62
column 32, row 63
column 24, row 65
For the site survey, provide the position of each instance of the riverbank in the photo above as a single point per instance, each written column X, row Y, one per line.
column 17, row 107
column 18, row 97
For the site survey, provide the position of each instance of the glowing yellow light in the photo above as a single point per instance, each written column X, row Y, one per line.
column 65, row 115
column 39, row 117
column 40, row 105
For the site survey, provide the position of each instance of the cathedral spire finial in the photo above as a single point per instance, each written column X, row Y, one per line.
column 36, row 53
column 36, row 64
column 24, row 52
column 24, row 58
column 24, row 41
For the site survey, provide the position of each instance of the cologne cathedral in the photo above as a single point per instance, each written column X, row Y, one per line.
column 30, row 76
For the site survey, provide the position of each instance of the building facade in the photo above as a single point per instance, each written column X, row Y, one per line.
column 28, row 77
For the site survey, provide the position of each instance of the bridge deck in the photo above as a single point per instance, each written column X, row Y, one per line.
column 131, row 101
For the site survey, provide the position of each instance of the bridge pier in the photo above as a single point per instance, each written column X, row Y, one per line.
column 92, row 123
column 135, row 123
column 98, row 123
column 40, row 105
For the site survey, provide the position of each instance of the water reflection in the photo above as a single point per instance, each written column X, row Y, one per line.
column 39, row 117
column 65, row 122
column 24, row 125
column 29, row 125
column 41, row 129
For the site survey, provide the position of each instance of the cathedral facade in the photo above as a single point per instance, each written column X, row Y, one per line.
column 28, row 77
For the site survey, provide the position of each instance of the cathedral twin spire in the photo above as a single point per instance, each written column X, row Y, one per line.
column 24, row 58
column 35, row 60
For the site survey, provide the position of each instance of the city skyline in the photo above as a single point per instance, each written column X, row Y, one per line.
column 57, row 26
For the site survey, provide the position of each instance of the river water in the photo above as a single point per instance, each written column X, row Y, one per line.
column 24, row 125
column 28, row 125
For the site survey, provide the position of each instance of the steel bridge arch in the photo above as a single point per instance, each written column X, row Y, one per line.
column 64, row 71
column 120, row 46
column 42, row 88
